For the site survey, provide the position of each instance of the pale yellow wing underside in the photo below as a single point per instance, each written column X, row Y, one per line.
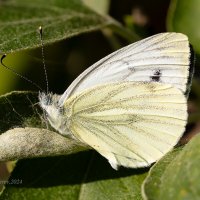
column 131, row 124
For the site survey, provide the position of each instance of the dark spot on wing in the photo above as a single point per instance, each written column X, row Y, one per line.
column 156, row 75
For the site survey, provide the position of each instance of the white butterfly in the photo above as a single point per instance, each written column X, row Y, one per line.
column 130, row 106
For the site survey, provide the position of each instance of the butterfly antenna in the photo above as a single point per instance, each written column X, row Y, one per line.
column 45, row 73
column 43, row 60
column 19, row 75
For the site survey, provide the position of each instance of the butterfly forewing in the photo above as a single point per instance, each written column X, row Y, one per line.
column 131, row 124
column 163, row 58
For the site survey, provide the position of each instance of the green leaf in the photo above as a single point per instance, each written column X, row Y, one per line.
column 21, row 143
column 176, row 176
column 19, row 109
column 183, row 17
column 99, row 6
column 84, row 175
column 60, row 19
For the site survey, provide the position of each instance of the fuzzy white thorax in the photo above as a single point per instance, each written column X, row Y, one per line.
column 55, row 112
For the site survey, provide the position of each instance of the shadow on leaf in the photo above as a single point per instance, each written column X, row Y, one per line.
column 79, row 168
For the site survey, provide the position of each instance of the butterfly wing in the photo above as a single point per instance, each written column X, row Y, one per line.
column 131, row 124
column 164, row 58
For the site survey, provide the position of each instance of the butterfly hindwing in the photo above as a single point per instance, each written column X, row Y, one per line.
column 131, row 124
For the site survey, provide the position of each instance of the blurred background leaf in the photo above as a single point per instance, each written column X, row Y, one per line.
column 183, row 17
column 101, row 7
